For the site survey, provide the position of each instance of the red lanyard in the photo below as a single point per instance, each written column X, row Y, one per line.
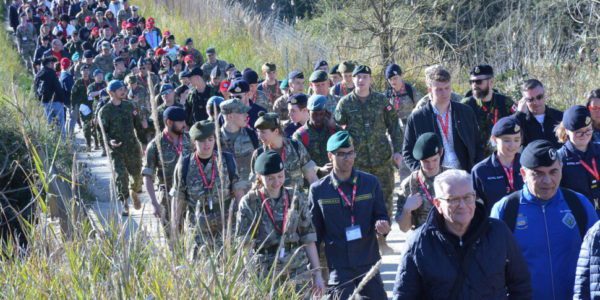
column 510, row 176
column 207, row 186
column 592, row 170
column 396, row 99
column 485, row 109
column 179, row 146
column 345, row 198
column 270, row 210
column 424, row 188
column 445, row 124
column 282, row 153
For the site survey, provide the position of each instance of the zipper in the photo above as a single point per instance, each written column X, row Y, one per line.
column 549, row 251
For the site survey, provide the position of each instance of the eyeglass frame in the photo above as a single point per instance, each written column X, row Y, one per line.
column 454, row 202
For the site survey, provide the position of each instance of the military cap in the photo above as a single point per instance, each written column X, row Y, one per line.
column 88, row 54
column 224, row 85
column 166, row 89
column 269, row 67
column 346, row 67
column 576, row 117
column 84, row 67
column 214, row 100
column 118, row 59
column 267, row 120
column 211, row 50
column 334, row 70
column 97, row 72
column 392, row 70
column 320, row 63
column 361, row 69
column 250, row 76
column 239, row 86
column 234, row 106
column 506, row 125
column 268, row 162
column 316, row 102
column 174, row 113
column 180, row 90
column 237, row 75
column 131, row 79
column 114, row 85
column 340, row 139
column 132, row 40
column 75, row 56
column 299, row 99
column 48, row 59
column 295, row 75
column 229, row 67
column 482, row 70
column 318, row 76
column 426, row 146
column 215, row 72
column 196, row 72
column 65, row 63
column 539, row 153
column 202, row 130
column 185, row 74
column 105, row 44
column 284, row 84
column 188, row 40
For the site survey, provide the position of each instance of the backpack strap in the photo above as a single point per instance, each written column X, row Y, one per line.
column 185, row 166
column 410, row 92
column 231, row 167
column 303, row 136
column 253, row 137
column 511, row 210
column 577, row 209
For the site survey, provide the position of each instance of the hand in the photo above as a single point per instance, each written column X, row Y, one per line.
column 382, row 227
column 115, row 144
column 397, row 157
column 413, row 202
column 157, row 210
column 326, row 168
column 318, row 288
column 144, row 123
column 522, row 105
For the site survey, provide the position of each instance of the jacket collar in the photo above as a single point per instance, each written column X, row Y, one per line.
column 528, row 197
column 351, row 180
column 436, row 223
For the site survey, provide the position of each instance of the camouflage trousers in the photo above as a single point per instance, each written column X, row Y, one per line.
column 296, row 273
column 27, row 53
column 165, row 202
column 385, row 175
column 126, row 165
column 89, row 130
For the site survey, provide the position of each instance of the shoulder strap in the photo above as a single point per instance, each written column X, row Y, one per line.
column 410, row 92
column 185, row 167
column 511, row 210
column 231, row 167
column 252, row 136
column 577, row 209
column 295, row 145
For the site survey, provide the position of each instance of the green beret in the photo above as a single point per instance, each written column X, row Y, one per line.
column 284, row 84
column 362, row 69
column 267, row 120
column 268, row 162
column 334, row 70
column 202, row 130
column 340, row 139
column 427, row 145
column 318, row 76
column 346, row 67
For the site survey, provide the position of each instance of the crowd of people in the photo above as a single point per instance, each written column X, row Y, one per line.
column 499, row 200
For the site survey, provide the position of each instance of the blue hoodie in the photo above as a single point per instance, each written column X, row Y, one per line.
column 549, row 238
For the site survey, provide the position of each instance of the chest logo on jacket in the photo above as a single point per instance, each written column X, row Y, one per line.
column 569, row 220
column 521, row 223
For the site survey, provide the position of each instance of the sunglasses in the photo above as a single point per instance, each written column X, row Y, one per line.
column 477, row 81
column 538, row 97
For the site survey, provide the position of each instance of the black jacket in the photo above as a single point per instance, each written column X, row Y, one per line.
column 587, row 279
column 467, row 146
column 195, row 106
column 533, row 130
column 47, row 87
column 485, row 264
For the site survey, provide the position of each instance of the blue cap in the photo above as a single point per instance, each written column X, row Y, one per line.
column 166, row 89
column 295, row 74
column 214, row 100
column 320, row 63
column 88, row 54
column 239, row 86
column 392, row 70
column 316, row 102
column 576, row 117
column 299, row 99
column 97, row 71
column 340, row 139
column 174, row 113
column 75, row 56
column 506, row 125
column 114, row 85
column 250, row 76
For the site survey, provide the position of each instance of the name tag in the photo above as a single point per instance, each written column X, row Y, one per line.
column 282, row 253
column 353, row 233
column 24, row 38
column 495, row 177
column 573, row 163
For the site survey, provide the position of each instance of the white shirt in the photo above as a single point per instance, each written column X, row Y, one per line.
column 450, row 159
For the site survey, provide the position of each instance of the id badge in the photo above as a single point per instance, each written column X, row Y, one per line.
column 353, row 233
column 210, row 203
column 24, row 38
column 282, row 253
column 594, row 184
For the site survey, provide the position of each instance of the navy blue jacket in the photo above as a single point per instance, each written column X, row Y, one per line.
column 331, row 216
column 490, row 182
column 253, row 113
column 574, row 175
column 587, row 278
column 533, row 130
column 492, row 264
column 47, row 86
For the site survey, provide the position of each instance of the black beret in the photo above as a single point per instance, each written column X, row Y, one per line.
column 211, row 50
column 215, row 72
column 174, row 113
column 268, row 162
column 506, row 125
column 299, row 99
column 185, row 74
column 88, row 54
column 334, row 69
column 229, row 67
column 482, row 70
column 576, row 117
column 319, row 64
column 188, row 40
column 426, row 146
column 239, row 86
column 118, row 59
column 202, row 130
column 250, row 76
column 318, row 76
column 361, row 69
column 346, row 67
column 196, row 72
column 48, row 59
column 539, row 153
column 392, row 70
column 340, row 139
column 295, row 75
column 267, row 120
column 237, row 75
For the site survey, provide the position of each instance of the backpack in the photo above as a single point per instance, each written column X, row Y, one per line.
column 512, row 209
column 253, row 137
column 228, row 161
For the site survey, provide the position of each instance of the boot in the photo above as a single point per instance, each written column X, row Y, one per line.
column 137, row 204
column 384, row 248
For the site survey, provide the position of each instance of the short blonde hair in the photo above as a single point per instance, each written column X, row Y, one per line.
column 437, row 73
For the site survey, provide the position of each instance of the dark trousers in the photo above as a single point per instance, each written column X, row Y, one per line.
column 343, row 281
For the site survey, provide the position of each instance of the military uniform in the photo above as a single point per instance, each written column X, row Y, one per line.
column 280, row 107
column 403, row 102
column 261, row 100
column 119, row 123
column 315, row 141
column 242, row 146
column 207, row 68
column 79, row 97
column 98, row 102
column 140, row 97
column 26, row 36
column 417, row 183
column 272, row 92
column 368, row 123
column 195, row 106
column 104, row 63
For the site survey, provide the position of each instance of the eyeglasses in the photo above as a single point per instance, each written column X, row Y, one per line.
column 593, row 108
column 467, row 199
column 345, row 155
column 538, row 97
column 477, row 81
column 581, row 134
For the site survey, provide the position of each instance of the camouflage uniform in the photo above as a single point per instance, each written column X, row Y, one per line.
column 104, row 63
column 97, row 105
column 26, row 37
column 368, row 123
column 402, row 102
column 119, row 123
column 409, row 186
column 272, row 92
column 242, row 150
column 315, row 141
column 297, row 160
column 331, row 103
column 488, row 113
column 261, row 100
column 202, row 205
column 254, row 225
column 79, row 97
column 153, row 167
column 140, row 97
column 280, row 107
column 207, row 68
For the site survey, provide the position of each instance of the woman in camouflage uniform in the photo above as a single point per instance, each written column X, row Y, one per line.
column 276, row 223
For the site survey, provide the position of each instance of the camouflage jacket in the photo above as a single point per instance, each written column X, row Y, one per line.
column 207, row 68
column 402, row 101
column 140, row 97
column 315, row 141
column 280, row 107
column 261, row 100
column 331, row 103
column 79, row 92
column 120, row 122
column 254, row 224
column 272, row 92
column 170, row 155
column 410, row 186
column 242, row 149
column 25, row 36
column 296, row 162
column 368, row 124
column 104, row 63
